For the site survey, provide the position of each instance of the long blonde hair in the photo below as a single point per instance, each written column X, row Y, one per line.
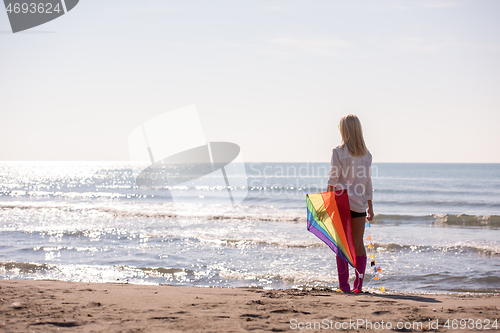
column 352, row 135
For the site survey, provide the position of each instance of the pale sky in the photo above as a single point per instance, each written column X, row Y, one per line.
column 273, row 77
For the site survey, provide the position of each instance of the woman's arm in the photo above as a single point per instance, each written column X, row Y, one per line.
column 369, row 195
column 334, row 174
column 369, row 215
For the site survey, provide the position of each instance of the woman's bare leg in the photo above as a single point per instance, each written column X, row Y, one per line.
column 358, row 231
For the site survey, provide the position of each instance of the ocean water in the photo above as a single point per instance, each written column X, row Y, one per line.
column 436, row 228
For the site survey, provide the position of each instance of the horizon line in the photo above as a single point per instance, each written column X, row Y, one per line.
column 246, row 162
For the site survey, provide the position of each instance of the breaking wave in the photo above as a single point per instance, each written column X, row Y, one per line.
column 262, row 213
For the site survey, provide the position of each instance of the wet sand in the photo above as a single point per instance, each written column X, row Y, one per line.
column 55, row 306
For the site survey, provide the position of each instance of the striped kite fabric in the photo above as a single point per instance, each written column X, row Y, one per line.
column 329, row 218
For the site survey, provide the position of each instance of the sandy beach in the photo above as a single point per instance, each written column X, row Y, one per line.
column 55, row 306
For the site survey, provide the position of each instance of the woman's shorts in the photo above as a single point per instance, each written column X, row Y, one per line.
column 356, row 214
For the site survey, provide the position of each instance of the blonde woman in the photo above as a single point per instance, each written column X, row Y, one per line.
column 351, row 170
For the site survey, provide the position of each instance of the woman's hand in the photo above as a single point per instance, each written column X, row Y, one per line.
column 369, row 215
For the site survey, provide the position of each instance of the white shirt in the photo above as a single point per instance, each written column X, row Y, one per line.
column 354, row 174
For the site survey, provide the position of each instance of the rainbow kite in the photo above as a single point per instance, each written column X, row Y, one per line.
column 329, row 218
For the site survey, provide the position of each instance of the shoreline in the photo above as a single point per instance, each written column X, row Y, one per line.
column 48, row 305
